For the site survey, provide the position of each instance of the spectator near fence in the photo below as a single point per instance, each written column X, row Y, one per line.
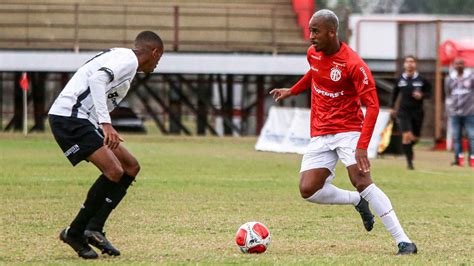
column 459, row 90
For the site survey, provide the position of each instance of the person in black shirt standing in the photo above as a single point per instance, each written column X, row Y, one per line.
column 413, row 89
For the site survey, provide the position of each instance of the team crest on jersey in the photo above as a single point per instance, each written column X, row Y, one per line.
column 335, row 74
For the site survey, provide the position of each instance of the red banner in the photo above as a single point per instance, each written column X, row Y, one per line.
column 451, row 49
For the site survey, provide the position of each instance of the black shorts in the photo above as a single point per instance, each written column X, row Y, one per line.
column 411, row 120
column 78, row 138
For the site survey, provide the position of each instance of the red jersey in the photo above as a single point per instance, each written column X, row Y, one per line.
column 339, row 83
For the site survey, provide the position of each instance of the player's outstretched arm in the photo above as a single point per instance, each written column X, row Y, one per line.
column 280, row 94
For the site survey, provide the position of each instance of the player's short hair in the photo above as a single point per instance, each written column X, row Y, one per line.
column 410, row 56
column 329, row 17
column 148, row 38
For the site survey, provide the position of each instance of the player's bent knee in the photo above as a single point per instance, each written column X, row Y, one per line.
column 361, row 185
column 135, row 169
column 308, row 191
column 114, row 173
column 132, row 170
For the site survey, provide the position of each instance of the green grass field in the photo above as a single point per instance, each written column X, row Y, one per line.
column 193, row 193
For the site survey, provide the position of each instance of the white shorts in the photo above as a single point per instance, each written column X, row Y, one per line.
column 324, row 151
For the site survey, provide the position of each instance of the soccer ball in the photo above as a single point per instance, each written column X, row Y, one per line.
column 253, row 237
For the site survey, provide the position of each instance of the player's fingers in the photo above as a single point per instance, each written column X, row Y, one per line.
column 106, row 140
column 359, row 163
column 365, row 164
column 360, row 166
column 116, row 141
column 112, row 141
column 276, row 97
column 115, row 145
column 273, row 91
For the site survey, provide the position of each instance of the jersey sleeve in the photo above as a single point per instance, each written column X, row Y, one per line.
column 119, row 65
column 303, row 84
column 362, row 78
column 97, row 84
column 365, row 85
column 371, row 102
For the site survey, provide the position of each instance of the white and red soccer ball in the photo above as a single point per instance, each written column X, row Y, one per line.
column 253, row 237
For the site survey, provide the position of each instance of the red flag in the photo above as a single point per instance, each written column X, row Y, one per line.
column 24, row 82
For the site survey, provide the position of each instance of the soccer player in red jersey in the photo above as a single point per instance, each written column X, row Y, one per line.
column 340, row 82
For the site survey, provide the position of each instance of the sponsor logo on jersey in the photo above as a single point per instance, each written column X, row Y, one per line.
column 335, row 74
column 113, row 97
column 402, row 83
column 328, row 94
column 339, row 64
column 418, row 84
column 460, row 91
column 75, row 148
column 366, row 79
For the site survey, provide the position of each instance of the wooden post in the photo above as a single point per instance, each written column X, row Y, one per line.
column 203, row 91
column 1, row 101
column 175, row 110
column 76, row 28
column 273, row 21
column 260, row 103
column 176, row 29
column 229, row 104
column 438, row 89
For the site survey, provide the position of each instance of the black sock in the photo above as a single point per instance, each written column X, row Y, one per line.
column 126, row 181
column 115, row 195
column 408, row 150
column 92, row 203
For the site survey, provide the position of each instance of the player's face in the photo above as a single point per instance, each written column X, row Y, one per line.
column 320, row 34
column 409, row 64
column 154, row 57
column 458, row 65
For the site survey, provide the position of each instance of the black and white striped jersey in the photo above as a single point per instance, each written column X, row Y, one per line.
column 98, row 86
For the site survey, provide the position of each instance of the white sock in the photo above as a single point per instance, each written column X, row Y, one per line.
column 330, row 194
column 383, row 207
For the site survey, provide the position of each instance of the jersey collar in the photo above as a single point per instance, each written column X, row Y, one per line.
column 415, row 75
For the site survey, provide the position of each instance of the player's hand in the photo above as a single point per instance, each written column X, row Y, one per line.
column 280, row 94
column 111, row 138
column 362, row 160
column 393, row 112
column 417, row 95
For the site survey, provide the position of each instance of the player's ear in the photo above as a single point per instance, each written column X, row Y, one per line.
column 154, row 52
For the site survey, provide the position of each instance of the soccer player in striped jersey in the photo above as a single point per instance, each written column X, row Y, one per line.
column 340, row 82
column 81, row 125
